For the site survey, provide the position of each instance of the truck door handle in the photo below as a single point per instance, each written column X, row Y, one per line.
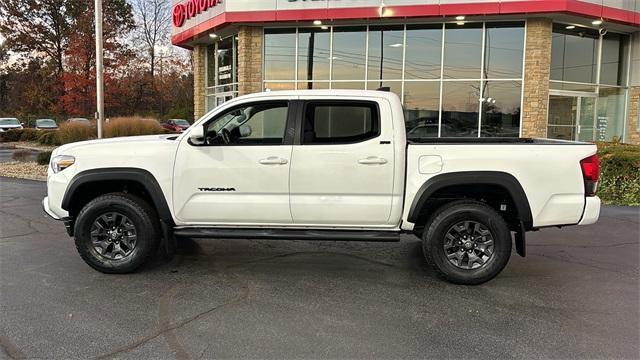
column 273, row 160
column 372, row 160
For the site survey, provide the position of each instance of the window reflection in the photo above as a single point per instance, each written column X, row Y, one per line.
column 501, row 109
column 279, row 54
column 357, row 57
column 574, row 55
column 614, row 55
column 349, row 53
column 385, row 52
column 422, row 104
column 460, row 103
column 423, row 52
column 504, row 47
column 313, row 56
column 462, row 51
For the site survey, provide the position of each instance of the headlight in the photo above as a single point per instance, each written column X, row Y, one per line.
column 61, row 162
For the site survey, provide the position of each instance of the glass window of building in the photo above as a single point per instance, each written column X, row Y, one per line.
column 462, row 51
column 460, row 105
column 225, row 62
column 385, row 52
column 221, row 78
column 610, row 113
column 408, row 59
column 349, row 53
column 422, row 108
column 594, row 104
column 279, row 54
column 574, row 55
column 501, row 109
column 614, row 55
column 423, row 52
column 313, row 57
column 503, row 50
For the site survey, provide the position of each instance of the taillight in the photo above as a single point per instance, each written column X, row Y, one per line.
column 590, row 172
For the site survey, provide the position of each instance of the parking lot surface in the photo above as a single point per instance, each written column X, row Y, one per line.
column 575, row 295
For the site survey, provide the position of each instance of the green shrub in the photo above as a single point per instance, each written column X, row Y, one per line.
column 72, row 132
column 619, row 182
column 132, row 126
column 49, row 137
column 44, row 157
column 29, row 135
column 12, row 135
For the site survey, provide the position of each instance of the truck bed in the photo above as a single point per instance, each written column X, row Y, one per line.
column 550, row 175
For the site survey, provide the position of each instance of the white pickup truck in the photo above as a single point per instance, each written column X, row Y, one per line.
column 319, row 165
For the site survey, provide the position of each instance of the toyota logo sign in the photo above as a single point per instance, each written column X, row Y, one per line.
column 190, row 8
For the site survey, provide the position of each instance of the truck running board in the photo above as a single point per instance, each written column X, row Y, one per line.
column 288, row 234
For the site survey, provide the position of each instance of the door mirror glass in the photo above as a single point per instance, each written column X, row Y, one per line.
column 196, row 135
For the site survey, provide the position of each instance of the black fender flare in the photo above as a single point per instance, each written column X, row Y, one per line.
column 141, row 176
column 502, row 179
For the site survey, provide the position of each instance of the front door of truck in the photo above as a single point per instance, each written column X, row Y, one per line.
column 241, row 174
column 342, row 166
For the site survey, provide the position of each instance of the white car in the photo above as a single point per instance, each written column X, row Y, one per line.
column 329, row 165
column 9, row 124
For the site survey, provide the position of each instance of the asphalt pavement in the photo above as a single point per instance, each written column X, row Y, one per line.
column 575, row 295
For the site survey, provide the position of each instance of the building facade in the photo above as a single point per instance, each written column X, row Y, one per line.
column 561, row 69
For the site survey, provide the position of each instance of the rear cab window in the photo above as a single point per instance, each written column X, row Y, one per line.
column 340, row 122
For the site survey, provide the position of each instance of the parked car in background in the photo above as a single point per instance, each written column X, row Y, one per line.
column 9, row 123
column 46, row 124
column 83, row 121
column 176, row 125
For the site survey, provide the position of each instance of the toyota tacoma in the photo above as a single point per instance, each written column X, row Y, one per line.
column 319, row 165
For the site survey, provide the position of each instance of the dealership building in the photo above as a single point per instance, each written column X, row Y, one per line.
column 563, row 69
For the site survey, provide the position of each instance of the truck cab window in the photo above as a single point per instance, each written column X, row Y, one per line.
column 253, row 124
column 340, row 123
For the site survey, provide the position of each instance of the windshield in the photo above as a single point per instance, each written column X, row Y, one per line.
column 79, row 119
column 9, row 121
column 181, row 122
column 45, row 122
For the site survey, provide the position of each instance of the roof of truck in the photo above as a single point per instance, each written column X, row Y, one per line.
column 332, row 92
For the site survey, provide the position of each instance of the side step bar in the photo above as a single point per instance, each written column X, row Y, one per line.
column 289, row 234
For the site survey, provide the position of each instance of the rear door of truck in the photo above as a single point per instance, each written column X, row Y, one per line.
column 342, row 165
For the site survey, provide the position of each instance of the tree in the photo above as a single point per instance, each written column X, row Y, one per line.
column 79, row 77
column 153, row 18
column 36, row 25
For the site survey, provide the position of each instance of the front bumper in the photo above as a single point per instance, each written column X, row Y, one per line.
column 68, row 221
column 591, row 211
column 47, row 210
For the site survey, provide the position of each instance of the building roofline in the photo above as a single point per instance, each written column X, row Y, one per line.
column 572, row 7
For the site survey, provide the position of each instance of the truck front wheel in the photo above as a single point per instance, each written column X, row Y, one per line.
column 467, row 242
column 116, row 233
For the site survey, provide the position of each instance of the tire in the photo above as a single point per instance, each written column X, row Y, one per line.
column 129, row 248
column 462, row 252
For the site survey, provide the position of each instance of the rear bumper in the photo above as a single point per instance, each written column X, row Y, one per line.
column 591, row 211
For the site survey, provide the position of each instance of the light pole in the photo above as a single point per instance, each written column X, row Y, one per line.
column 99, row 69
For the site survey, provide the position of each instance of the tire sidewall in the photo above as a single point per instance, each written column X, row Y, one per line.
column 141, row 222
column 434, row 240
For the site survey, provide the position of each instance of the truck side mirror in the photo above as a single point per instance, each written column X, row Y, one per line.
column 196, row 135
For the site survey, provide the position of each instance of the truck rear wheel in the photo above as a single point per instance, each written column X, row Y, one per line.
column 116, row 233
column 467, row 242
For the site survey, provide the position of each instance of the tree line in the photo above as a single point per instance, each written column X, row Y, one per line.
column 47, row 60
